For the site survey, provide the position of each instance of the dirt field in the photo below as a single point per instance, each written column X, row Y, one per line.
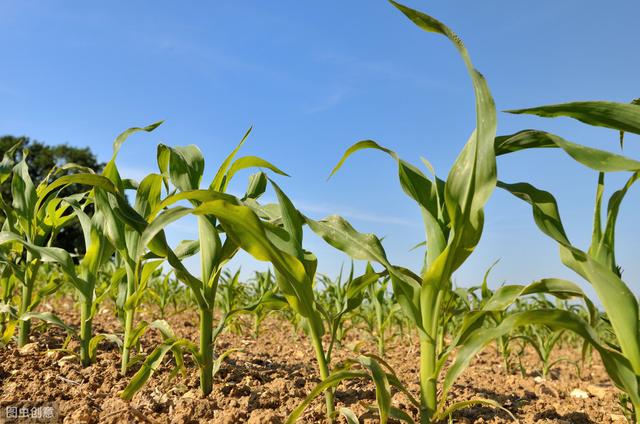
column 271, row 376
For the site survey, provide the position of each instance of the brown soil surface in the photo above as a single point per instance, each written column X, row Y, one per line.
column 271, row 375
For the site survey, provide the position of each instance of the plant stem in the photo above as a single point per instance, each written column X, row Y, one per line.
column 25, row 304
column 206, row 350
column 381, row 347
column 324, row 369
column 128, row 321
column 428, row 392
column 85, row 330
column 25, row 325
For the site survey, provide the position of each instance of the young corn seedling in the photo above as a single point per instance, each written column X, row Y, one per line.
column 263, row 286
column 30, row 226
column 385, row 311
column 474, row 301
column 183, row 167
column 165, row 291
column 8, row 259
column 103, row 234
column 269, row 234
column 597, row 264
column 453, row 217
column 231, row 295
column 333, row 299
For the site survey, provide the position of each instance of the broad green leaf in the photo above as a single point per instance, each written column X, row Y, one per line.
column 599, row 160
column 617, row 366
column 243, row 226
column 616, row 297
column 45, row 254
column 24, row 196
column 333, row 380
column 149, row 366
column 618, row 116
column 257, row 185
column 148, row 194
column 49, row 318
column 383, row 389
column 185, row 166
column 339, row 233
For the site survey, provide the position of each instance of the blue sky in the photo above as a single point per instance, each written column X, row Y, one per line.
column 315, row 77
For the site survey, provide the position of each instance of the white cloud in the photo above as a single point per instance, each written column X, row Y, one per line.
column 357, row 215
column 328, row 102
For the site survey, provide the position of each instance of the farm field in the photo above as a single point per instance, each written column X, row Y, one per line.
column 106, row 317
column 273, row 373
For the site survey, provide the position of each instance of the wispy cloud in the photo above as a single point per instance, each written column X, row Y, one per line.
column 355, row 214
column 329, row 101
column 359, row 67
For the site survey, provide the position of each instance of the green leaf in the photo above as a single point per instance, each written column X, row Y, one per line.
column 339, row 233
column 6, row 165
column 383, row 389
column 45, row 254
column 148, row 194
column 244, row 227
column 599, row 160
column 49, row 318
column 472, row 178
column 185, row 166
column 618, row 116
column 618, row 367
column 616, row 297
column 349, row 415
column 330, row 381
column 23, row 193
column 149, row 366
column 125, row 134
column 250, row 162
column 361, row 145
column 219, row 179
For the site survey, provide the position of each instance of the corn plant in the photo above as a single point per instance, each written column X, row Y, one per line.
column 103, row 235
column 474, row 301
column 182, row 168
column 453, row 216
column 164, row 291
column 597, row 264
column 231, row 295
column 543, row 341
column 333, row 302
column 383, row 314
column 269, row 233
column 8, row 279
column 263, row 286
column 29, row 229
